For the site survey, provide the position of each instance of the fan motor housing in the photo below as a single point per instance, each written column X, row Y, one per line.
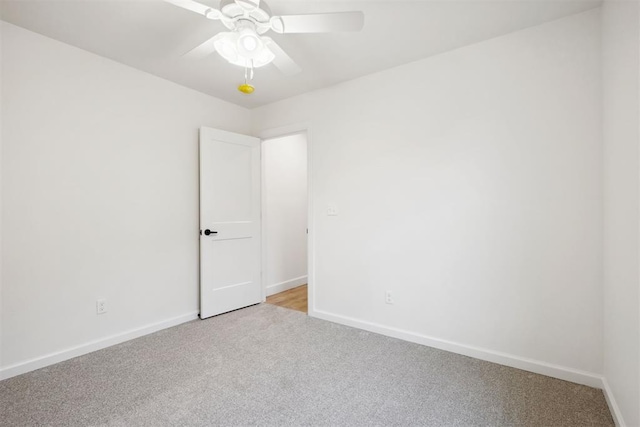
column 235, row 12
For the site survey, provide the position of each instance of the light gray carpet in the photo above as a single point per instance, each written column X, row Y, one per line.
column 267, row 365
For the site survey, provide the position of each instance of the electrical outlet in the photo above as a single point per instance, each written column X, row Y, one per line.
column 332, row 210
column 388, row 297
column 101, row 306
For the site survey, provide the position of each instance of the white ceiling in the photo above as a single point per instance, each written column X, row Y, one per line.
column 151, row 35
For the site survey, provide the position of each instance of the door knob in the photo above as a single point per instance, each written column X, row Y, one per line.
column 208, row 232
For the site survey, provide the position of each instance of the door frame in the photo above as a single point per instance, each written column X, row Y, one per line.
column 299, row 128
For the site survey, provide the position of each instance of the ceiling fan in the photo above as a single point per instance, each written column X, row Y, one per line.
column 248, row 20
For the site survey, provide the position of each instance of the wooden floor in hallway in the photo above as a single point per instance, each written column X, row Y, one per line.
column 295, row 299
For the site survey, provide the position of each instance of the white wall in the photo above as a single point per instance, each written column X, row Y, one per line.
column 100, row 196
column 469, row 184
column 621, row 131
column 1, row 346
column 285, row 211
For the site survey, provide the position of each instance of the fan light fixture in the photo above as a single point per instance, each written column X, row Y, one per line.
column 244, row 48
column 249, row 43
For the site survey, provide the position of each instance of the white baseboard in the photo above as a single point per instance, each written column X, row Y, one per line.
column 613, row 406
column 285, row 286
column 59, row 356
column 531, row 365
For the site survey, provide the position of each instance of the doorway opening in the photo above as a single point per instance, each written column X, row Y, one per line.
column 285, row 200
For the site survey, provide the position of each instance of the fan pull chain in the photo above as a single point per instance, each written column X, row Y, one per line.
column 246, row 88
column 248, row 73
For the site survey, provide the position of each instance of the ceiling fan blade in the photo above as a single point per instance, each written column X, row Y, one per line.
column 282, row 61
column 196, row 7
column 318, row 23
column 205, row 49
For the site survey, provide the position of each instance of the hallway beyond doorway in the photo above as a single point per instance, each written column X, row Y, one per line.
column 294, row 299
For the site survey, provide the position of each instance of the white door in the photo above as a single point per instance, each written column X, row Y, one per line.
column 229, row 221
